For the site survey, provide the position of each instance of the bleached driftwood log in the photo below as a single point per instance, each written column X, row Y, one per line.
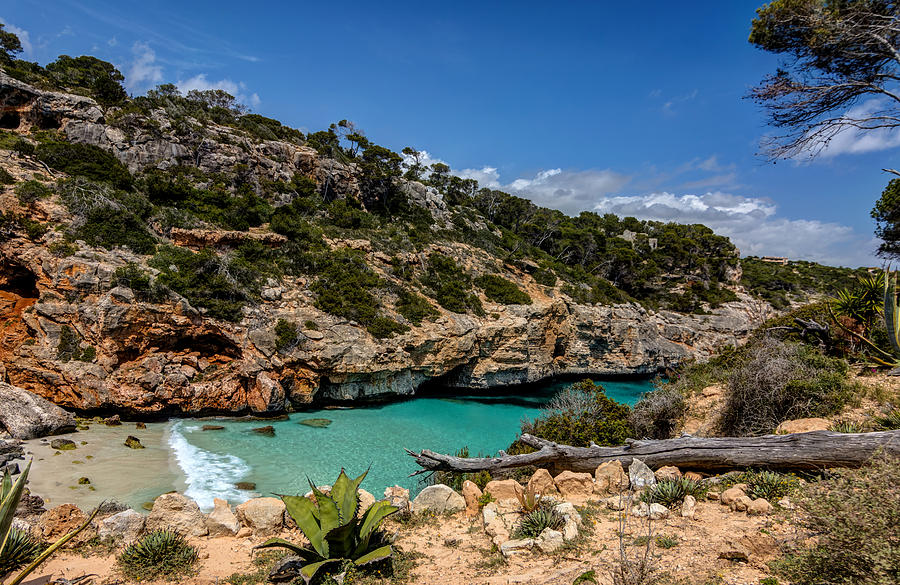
column 799, row 451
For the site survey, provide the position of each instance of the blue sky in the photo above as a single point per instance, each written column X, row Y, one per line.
column 632, row 108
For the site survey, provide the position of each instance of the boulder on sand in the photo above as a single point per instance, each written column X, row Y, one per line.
column 264, row 516
column 438, row 499
column 179, row 513
column 28, row 416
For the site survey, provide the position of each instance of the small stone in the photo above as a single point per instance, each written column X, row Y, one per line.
column 550, row 540
column 140, row 426
column 541, row 482
column 576, row 487
column 642, row 510
column 786, row 503
column 438, row 499
column 640, row 475
column 245, row 486
column 713, row 496
column 741, row 504
column 729, row 496
column 63, row 444
column 265, row 516
column 112, row 421
column 147, row 506
column 212, row 428
column 493, row 524
column 693, row 476
column 658, row 512
column 618, row 503
column 472, row 494
column 759, row 507
column 667, row 472
column 505, row 489
column 133, row 442
column 803, row 425
column 84, row 481
column 222, row 521
column 268, row 431
column 126, row 525
column 397, row 496
column 688, row 507
column 570, row 530
column 244, row 533
column 610, row 478
column 568, row 511
column 319, row 423
column 516, row 547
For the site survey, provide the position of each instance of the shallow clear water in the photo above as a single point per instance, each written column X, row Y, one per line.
column 206, row 464
column 372, row 437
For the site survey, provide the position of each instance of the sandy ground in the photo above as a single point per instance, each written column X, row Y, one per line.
column 456, row 551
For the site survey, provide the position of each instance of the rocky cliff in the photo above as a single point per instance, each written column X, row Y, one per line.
column 166, row 356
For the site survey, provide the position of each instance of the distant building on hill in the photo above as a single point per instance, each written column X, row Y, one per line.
column 775, row 260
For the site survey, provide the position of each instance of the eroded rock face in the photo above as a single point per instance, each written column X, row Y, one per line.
column 167, row 357
column 27, row 416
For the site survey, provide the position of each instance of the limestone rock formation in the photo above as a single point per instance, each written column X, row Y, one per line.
column 177, row 512
column 438, row 499
column 27, row 416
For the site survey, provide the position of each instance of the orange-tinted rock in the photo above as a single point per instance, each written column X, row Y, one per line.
column 803, row 425
column 541, row 482
column 504, row 489
column 574, row 487
column 61, row 520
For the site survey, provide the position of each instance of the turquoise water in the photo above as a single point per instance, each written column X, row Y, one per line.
column 373, row 437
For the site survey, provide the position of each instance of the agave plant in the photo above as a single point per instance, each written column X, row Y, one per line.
column 534, row 522
column 890, row 421
column 19, row 549
column 162, row 552
column 335, row 532
column 529, row 500
column 671, row 492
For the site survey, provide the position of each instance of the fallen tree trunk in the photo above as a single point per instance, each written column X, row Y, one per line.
column 799, row 451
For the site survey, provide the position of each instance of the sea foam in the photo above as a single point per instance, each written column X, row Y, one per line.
column 207, row 475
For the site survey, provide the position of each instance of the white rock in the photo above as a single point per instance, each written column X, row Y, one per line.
column 568, row 511
column 688, row 507
column 570, row 530
column 658, row 512
column 640, row 475
column 179, row 513
column 550, row 540
column 127, row 526
column 438, row 499
column 516, row 547
column 222, row 521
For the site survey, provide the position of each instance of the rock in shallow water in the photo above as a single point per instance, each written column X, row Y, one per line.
column 268, row 431
column 320, row 423
column 63, row 444
column 212, row 428
column 133, row 442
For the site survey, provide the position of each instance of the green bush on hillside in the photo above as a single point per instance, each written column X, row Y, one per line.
column 775, row 381
column 450, row 285
column 854, row 520
column 580, row 415
column 414, row 307
column 502, row 291
column 31, row 191
column 85, row 160
column 107, row 217
column 344, row 288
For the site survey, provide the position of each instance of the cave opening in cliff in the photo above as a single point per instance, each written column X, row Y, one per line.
column 46, row 122
column 10, row 120
column 18, row 280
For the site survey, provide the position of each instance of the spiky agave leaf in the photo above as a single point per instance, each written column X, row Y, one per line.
column 19, row 549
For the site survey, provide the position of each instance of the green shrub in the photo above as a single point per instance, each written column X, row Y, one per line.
column 580, row 415
column 161, row 553
column 658, row 414
column 533, row 523
column 311, row 325
column 107, row 217
column 285, row 335
column 85, row 160
column 220, row 285
column 769, row 485
column 777, row 381
column 63, row 249
column 140, row 282
column 666, row 541
column 502, row 291
column 855, row 521
column 414, row 308
column 544, row 277
column 33, row 229
column 6, row 178
column 344, row 287
column 30, row 191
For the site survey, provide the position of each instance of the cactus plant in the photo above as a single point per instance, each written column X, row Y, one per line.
column 335, row 532
column 160, row 553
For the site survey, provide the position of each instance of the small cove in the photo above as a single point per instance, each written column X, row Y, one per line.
column 179, row 455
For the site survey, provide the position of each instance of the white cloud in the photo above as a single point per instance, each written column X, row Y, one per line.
column 237, row 89
column 752, row 224
column 24, row 37
column 851, row 140
column 143, row 71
